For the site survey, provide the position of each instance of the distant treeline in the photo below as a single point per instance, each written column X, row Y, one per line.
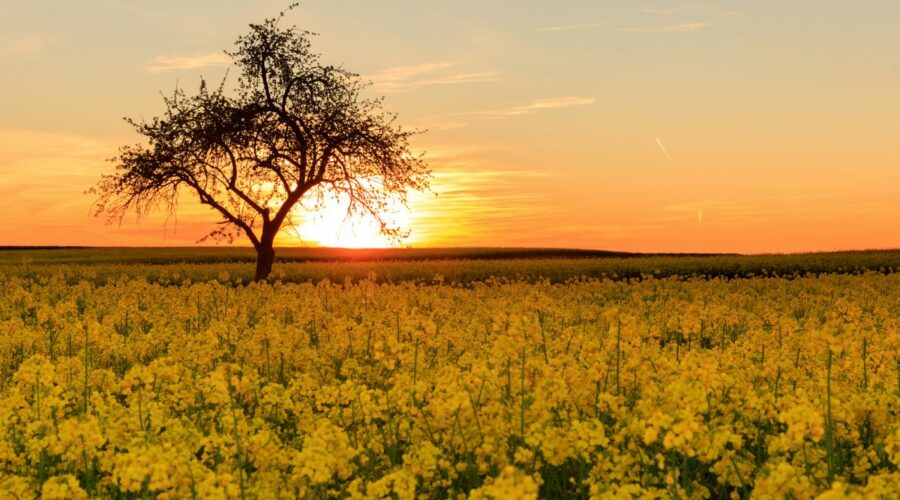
column 199, row 255
column 449, row 266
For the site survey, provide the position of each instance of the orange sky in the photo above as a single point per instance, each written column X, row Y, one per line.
column 763, row 126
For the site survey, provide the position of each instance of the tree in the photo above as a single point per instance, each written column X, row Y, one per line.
column 292, row 129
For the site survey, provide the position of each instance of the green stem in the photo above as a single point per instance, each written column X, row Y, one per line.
column 865, row 365
column 38, row 395
column 86, row 362
column 415, row 371
column 522, row 413
column 829, row 430
column 618, row 354
column 543, row 336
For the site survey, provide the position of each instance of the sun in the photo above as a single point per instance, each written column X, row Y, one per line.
column 329, row 225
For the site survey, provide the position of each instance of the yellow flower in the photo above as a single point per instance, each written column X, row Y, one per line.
column 511, row 484
column 326, row 453
column 62, row 487
column 804, row 422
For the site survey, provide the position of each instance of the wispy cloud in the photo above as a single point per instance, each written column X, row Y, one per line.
column 161, row 64
column 405, row 73
column 457, row 120
column 43, row 178
column 542, row 104
column 454, row 155
column 662, row 11
column 572, row 27
column 677, row 9
column 433, row 123
column 130, row 7
column 481, row 76
column 23, row 44
column 665, row 152
column 405, row 78
column 672, row 28
column 492, row 205
column 719, row 212
column 770, row 207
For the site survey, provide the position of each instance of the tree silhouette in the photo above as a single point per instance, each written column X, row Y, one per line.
column 293, row 129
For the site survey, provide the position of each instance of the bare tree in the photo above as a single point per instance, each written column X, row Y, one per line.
column 293, row 129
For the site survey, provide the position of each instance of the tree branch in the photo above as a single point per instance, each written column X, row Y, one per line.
column 206, row 199
column 232, row 185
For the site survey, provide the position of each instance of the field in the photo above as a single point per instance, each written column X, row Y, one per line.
column 480, row 373
column 455, row 265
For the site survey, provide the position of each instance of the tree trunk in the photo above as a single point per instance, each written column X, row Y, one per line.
column 265, row 256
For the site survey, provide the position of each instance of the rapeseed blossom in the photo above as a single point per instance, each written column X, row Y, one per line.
column 652, row 388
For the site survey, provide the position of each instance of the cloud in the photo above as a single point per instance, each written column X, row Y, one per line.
column 710, row 9
column 162, row 64
column 483, row 76
column 405, row 78
column 542, row 104
column 664, row 10
column 130, row 7
column 594, row 231
column 432, row 124
column 43, row 178
column 572, row 27
column 405, row 73
column 665, row 152
column 24, row 44
column 672, row 28
column 449, row 121
column 735, row 212
column 472, row 207
column 454, row 154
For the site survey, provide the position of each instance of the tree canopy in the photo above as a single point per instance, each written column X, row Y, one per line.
column 291, row 129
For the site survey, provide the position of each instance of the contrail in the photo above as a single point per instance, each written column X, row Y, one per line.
column 663, row 148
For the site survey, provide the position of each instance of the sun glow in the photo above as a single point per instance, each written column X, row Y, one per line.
column 330, row 225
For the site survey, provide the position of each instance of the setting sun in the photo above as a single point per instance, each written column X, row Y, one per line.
column 330, row 225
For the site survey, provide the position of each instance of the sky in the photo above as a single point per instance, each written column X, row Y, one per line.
column 660, row 126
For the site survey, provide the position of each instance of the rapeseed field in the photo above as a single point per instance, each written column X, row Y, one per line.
column 672, row 387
